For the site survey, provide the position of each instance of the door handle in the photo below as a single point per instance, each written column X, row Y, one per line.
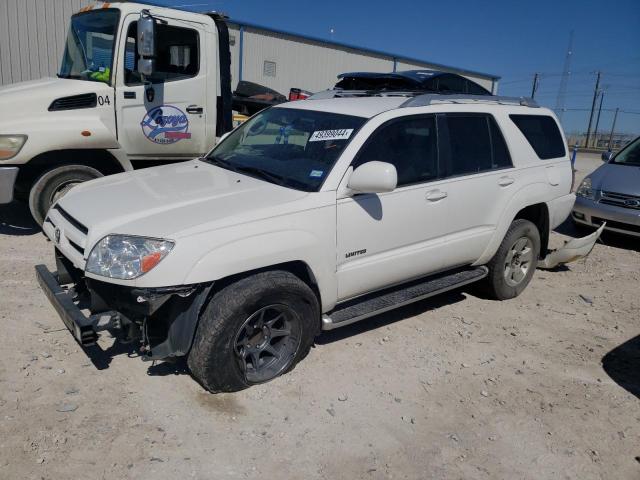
column 194, row 109
column 505, row 181
column 435, row 195
column 130, row 95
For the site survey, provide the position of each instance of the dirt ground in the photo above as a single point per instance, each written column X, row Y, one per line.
column 456, row 387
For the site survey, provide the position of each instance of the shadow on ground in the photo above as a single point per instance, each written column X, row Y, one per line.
column 622, row 364
column 16, row 219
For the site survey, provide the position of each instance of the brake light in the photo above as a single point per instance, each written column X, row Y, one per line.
column 298, row 94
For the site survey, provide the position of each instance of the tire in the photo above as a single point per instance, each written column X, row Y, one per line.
column 222, row 358
column 54, row 184
column 513, row 265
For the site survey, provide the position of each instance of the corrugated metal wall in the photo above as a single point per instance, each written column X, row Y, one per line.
column 32, row 34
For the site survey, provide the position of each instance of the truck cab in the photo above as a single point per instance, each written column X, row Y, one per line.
column 103, row 115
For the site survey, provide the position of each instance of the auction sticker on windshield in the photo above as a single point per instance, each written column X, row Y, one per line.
column 322, row 135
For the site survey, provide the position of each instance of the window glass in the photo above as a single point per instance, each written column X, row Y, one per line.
column 630, row 155
column 410, row 144
column 177, row 54
column 542, row 132
column 476, row 144
column 289, row 147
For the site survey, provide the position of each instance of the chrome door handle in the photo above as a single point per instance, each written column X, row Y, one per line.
column 435, row 195
column 506, row 181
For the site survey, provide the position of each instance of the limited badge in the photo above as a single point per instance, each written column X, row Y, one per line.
column 165, row 125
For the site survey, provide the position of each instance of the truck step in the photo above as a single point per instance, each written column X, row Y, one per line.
column 375, row 303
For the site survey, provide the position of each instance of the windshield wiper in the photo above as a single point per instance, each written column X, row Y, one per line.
column 263, row 174
column 217, row 161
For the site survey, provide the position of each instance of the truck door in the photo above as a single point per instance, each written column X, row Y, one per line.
column 165, row 118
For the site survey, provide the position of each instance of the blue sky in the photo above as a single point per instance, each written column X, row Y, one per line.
column 512, row 39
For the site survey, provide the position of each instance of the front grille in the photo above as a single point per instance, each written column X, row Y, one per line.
column 617, row 225
column 74, row 102
column 620, row 200
column 71, row 220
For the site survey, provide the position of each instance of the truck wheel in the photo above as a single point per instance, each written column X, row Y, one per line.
column 513, row 265
column 254, row 330
column 54, row 184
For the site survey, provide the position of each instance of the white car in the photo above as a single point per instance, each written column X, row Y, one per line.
column 310, row 216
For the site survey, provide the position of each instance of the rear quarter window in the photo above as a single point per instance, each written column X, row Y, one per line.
column 542, row 133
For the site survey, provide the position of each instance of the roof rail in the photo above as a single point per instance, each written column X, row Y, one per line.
column 431, row 98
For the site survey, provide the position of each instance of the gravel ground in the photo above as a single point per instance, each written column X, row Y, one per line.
column 543, row 386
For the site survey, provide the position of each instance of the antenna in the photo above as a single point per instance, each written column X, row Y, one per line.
column 566, row 71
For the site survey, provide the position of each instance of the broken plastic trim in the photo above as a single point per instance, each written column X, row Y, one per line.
column 572, row 250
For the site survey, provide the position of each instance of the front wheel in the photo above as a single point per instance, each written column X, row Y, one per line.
column 513, row 265
column 54, row 184
column 254, row 330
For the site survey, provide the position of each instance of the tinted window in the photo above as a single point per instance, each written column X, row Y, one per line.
column 542, row 133
column 476, row 145
column 410, row 144
column 177, row 54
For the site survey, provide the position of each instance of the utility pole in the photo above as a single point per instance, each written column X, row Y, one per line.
column 595, row 133
column 566, row 71
column 534, row 87
column 613, row 127
column 593, row 107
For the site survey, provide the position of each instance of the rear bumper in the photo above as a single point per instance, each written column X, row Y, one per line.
column 79, row 325
column 8, row 177
column 621, row 220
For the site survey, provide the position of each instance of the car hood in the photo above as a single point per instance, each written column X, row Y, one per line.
column 25, row 99
column 174, row 201
column 617, row 178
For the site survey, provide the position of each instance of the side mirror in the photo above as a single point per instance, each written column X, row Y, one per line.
column 146, row 43
column 374, row 177
column 607, row 156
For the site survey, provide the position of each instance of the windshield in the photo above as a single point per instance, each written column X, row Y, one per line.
column 89, row 47
column 289, row 147
column 629, row 155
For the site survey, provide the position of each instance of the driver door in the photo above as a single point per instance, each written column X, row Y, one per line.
column 166, row 118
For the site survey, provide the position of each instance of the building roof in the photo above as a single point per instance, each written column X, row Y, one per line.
column 394, row 56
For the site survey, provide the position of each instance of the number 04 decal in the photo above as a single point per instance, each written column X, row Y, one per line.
column 104, row 100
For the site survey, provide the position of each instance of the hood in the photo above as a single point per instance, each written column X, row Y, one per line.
column 617, row 178
column 26, row 98
column 174, row 201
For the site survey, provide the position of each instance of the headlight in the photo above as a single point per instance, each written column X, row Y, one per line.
column 124, row 257
column 10, row 145
column 585, row 190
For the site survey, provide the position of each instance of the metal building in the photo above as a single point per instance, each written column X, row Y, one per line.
column 32, row 35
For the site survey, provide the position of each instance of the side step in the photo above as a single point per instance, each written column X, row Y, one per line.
column 378, row 302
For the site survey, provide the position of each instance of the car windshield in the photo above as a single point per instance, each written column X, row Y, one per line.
column 89, row 47
column 629, row 155
column 290, row 147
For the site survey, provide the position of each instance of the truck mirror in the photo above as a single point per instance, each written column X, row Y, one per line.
column 146, row 43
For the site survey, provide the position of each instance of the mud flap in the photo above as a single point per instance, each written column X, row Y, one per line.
column 572, row 250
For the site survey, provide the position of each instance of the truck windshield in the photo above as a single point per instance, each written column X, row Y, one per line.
column 89, row 47
column 290, row 147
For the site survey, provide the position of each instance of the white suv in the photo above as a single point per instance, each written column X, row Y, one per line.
column 310, row 216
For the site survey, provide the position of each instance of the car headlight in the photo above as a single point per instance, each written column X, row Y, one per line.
column 10, row 145
column 585, row 190
column 126, row 257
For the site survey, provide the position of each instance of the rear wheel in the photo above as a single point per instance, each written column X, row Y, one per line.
column 254, row 330
column 513, row 265
column 54, row 184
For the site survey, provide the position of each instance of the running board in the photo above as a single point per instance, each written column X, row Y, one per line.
column 378, row 302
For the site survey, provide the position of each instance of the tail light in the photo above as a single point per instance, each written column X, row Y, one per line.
column 298, row 94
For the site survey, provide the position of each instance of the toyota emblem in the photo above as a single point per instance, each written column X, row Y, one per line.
column 632, row 203
column 57, row 235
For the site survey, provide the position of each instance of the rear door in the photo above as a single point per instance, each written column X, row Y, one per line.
column 480, row 179
column 165, row 118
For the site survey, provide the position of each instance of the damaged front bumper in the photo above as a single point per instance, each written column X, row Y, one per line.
column 572, row 250
column 163, row 320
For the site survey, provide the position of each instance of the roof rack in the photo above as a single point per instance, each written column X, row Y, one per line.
column 432, row 98
column 421, row 99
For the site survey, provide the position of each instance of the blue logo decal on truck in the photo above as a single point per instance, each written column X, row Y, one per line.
column 165, row 125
